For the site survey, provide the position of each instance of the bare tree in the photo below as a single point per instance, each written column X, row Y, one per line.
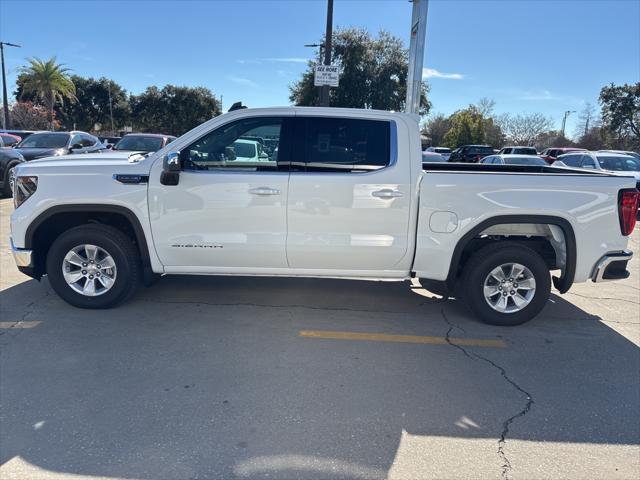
column 485, row 106
column 524, row 129
column 588, row 119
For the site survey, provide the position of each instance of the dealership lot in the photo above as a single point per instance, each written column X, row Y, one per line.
column 224, row 377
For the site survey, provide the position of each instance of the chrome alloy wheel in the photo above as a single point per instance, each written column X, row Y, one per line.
column 509, row 288
column 89, row 270
column 12, row 179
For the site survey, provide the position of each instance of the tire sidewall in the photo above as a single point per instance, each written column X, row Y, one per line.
column 487, row 261
column 67, row 242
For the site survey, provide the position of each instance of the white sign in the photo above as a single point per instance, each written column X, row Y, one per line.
column 326, row 75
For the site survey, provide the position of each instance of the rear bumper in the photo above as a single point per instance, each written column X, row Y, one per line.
column 22, row 256
column 612, row 266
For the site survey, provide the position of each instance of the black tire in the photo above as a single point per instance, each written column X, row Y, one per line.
column 485, row 261
column 6, row 188
column 117, row 244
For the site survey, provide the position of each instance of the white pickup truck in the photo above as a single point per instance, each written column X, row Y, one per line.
column 336, row 193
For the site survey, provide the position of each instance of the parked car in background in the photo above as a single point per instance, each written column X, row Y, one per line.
column 53, row 144
column 444, row 151
column 602, row 161
column 9, row 140
column 470, row 153
column 18, row 133
column 10, row 158
column 249, row 151
column 109, row 142
column 550, row 155
column 518, row 151
column 143, row 142
column 514, row 159
column 432, row 157
column 624, row 152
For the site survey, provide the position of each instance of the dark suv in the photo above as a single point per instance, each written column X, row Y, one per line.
column 10, row 158
column 470, row 153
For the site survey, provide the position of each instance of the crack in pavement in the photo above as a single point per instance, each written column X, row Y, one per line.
column 260, row 305
column 603, row 298
column 506, row 463
column 29, row 310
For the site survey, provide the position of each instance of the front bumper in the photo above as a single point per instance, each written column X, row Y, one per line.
column 22, row 256
column 612, row 266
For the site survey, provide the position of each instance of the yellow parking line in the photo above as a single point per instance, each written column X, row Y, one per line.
column 384, row 337
column 19, row 324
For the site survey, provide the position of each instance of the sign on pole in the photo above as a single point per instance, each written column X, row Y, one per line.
column 326, row 75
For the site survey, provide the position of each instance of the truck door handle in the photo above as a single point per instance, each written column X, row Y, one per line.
column 387, row 193
column 264, row 191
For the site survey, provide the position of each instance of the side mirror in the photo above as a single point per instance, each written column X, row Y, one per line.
column 109, row 146
column 171, row 169
column 263, row 155
column 75, row 146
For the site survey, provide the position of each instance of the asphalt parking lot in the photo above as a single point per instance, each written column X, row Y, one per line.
column 205, row 377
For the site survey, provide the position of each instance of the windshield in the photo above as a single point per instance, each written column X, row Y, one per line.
column 619, row 164
column 481, row 150
column 45, row 140
column 525, row 161
column 139, row 143
column 525, row 151
column 443, row 150
column 246, row 150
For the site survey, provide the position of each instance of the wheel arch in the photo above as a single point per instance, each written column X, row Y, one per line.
column 562, row 283
column 58, row 218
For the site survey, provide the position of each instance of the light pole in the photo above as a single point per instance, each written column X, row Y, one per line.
column 564, row 120
column 324, row 93
column 5, row 101
column 416, row 55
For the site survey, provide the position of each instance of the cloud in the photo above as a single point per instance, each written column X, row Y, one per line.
column 260, row 61
column 537, row 95
column 433, row 73
column 245, row 82
column 287, row 60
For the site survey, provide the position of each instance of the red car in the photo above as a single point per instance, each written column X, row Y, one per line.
column 550, row 155
column 9, row 140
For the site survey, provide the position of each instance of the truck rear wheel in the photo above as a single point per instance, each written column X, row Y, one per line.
column 506, row 284
column 93, row 266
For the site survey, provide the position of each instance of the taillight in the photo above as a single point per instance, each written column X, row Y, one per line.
column 628, row 210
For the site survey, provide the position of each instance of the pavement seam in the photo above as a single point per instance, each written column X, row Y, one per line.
column 506, row 463
column 603, row 298
column 29, row 310
column 259, row 305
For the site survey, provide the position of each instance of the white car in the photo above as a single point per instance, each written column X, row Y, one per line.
column 444, row 151
column 518, row 151
column 514, row 159
column 602, row 161
column 347, row 199
column 431, row 157
column 635, row 155
column 249, row 151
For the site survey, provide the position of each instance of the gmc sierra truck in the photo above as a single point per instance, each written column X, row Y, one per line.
column 333, row 193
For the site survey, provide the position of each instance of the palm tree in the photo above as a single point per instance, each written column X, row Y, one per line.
column 48, row 81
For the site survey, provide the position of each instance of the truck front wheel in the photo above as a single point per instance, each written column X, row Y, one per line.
column 93, row 266
column 506, row 284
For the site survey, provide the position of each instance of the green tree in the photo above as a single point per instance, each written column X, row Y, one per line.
column 93, row 106
column 49, row 82
column 373, row 73
column 467, row 128
column 173, row 110
column 621, row 114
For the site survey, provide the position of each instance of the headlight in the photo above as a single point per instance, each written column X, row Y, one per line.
column 24, row 188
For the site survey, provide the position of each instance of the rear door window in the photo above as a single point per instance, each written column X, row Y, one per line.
column 344, row 144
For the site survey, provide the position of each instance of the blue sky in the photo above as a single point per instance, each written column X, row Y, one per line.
column 529, row 56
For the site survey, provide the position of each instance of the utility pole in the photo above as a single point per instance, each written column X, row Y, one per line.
column 110, row 107
column 5, row 102
column 324, row 92
column 416, row 55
